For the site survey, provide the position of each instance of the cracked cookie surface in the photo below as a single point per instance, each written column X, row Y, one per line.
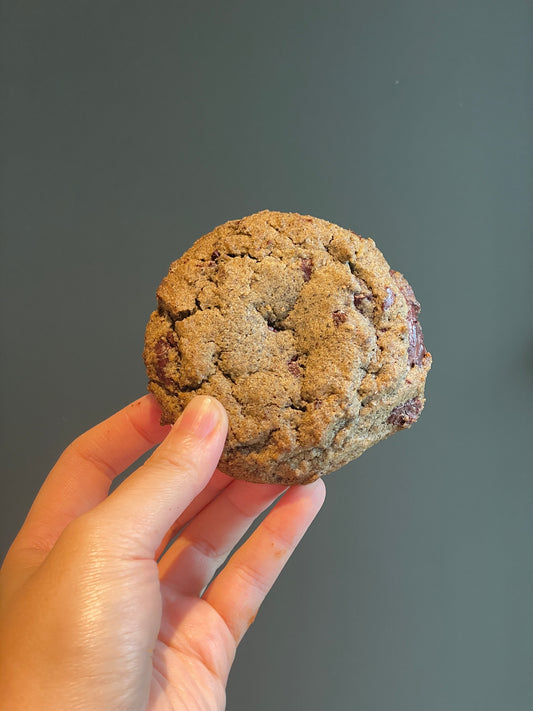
column 302, row 331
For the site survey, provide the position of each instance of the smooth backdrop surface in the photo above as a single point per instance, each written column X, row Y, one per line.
column 129, row 129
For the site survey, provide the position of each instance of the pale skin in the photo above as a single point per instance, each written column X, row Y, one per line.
column 94, row 615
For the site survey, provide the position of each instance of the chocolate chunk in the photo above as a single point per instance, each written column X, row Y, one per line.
column 293, row 366
column 162, row 349
column 172, row 339
column 414, row 306
column 214, row 258
column 404, row 415
column 338, row 317
column 407, row 291
column 306, row 265
column 415, row 350
column 359, row 299
column 389, row 299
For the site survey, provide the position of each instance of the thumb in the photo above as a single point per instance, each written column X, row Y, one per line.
column 142, row 509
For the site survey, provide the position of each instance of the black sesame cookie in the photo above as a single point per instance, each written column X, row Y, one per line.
column 303, row 332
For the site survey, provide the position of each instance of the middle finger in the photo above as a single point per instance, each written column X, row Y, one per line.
column 218, row 482
column 192, row 560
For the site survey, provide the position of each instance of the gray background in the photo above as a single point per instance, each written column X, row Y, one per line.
column 129, row 129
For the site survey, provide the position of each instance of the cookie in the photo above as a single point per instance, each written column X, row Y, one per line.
column 302, row 331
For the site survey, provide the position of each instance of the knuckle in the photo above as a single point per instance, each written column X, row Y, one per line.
column 182, row 458
column 86, row 535
column 207, row 549
column 277, row 539
column 138, row 428
column 84, row 449
column 253, row 578
column 249, row 499
column 240, row 505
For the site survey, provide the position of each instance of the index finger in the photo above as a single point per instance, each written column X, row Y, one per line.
column 83, row 473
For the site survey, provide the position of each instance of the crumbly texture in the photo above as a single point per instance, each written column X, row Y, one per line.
column 302, row 331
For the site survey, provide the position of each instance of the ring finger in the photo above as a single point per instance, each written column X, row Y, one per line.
column 192, row 560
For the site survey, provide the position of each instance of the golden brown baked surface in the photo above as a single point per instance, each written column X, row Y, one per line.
column 303, row 332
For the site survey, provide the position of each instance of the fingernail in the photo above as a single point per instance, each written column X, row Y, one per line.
column 200, row 417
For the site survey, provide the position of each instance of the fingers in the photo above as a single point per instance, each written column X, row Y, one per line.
column 218, row 482
column 82, row 476
column 240, row 588
column 192, row 560
column 138, row 514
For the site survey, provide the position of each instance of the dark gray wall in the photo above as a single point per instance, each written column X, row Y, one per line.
column 129, row 129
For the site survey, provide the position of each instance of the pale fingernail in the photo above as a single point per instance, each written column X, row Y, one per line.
column 200, row 417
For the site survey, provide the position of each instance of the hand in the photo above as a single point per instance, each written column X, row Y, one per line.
column 95, row 615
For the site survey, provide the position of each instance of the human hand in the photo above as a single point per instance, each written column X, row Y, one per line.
column 95, row 615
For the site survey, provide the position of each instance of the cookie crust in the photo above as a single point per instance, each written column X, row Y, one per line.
column 302, row 331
